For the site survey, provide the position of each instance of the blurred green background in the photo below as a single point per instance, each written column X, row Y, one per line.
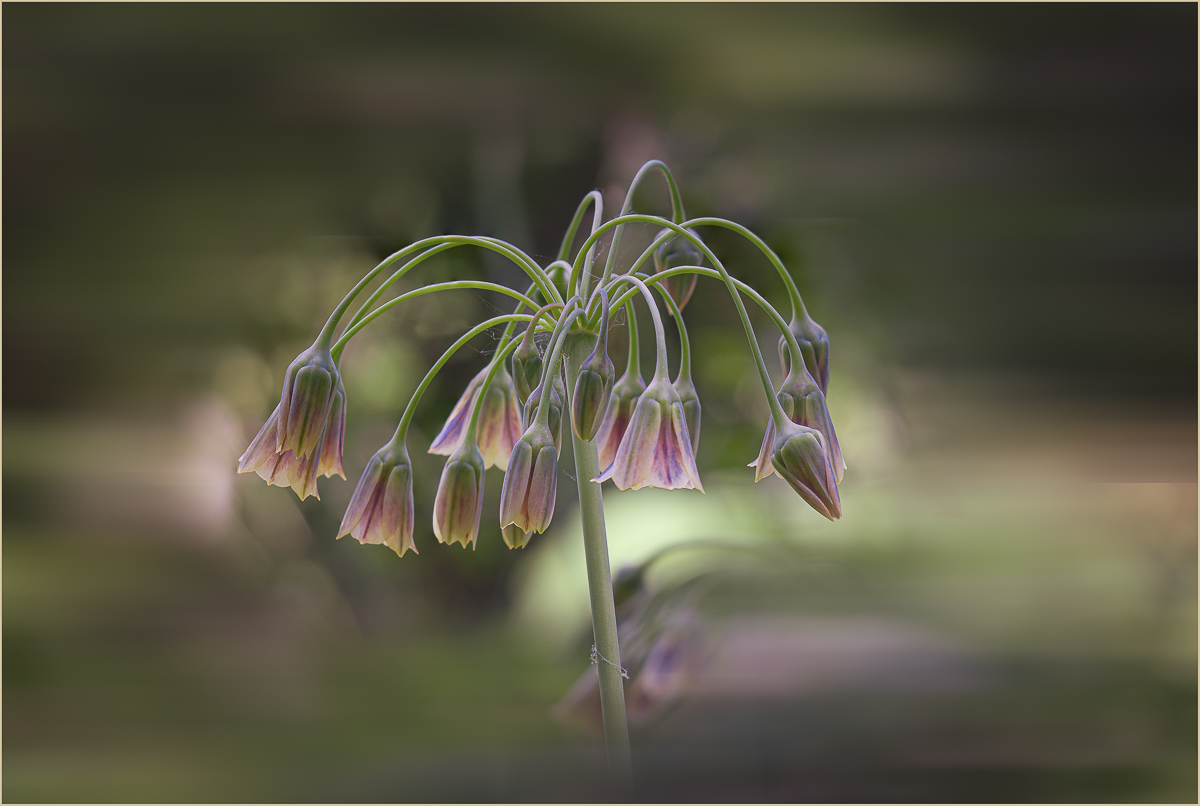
column 991, row 209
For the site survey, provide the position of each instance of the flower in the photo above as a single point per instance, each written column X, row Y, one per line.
column 527, row 499
column 620, row 408
column 656, row 450
column 800, row 456
column 459, row 501
column 691, row 408
column 804, row 404
column 593, row 387
column 678, row 251
column 557, row 393
column 526, row 369
column 309, row 388
column 335, row 436
column 814, row 346
column 280, row 468
column 499, row 422
column 381, row 509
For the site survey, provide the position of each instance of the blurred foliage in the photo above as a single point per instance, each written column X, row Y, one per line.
column 990, row 208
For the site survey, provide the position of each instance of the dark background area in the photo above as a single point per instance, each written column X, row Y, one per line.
column 991, row 209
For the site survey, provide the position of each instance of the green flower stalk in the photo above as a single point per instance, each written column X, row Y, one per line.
column 683, row 381
column 622, row 400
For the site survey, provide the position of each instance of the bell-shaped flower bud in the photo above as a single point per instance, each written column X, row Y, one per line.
column 309, row 387
column 621, row 403
column 691, row 408
column 459, row 501
column 814, row 346
column 526, row 369
column 499, row 422
column 280, row 468
column 678, row 251
column 656, row 450
column 527, row 499
column 381, row 510
column 801, row 457
column 557, row 394
column 594, row 384
column 804, row 404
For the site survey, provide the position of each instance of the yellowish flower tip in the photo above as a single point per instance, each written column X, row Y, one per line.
column 656, row 450
column 381, row 510
column 530, row 483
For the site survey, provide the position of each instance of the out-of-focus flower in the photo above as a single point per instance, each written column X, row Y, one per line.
column 530, row 483
column 309, row 388
column 557, row 394
column 280, row 468
column 621, row 403
column 802, row 459
column 459, row 501
column 499, row 422
column 656, row 450
column 381, row 509
column 804, row 404
column 691, row 408
column 814, row 346
column 678, row 251
column 526, row 369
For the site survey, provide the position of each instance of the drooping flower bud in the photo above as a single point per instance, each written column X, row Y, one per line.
column 804, row 404
column 593, row 386
column 530, row 483
column 814, row 346
column 557, row 395
column 691, row 408
column 381, row 510
column 656, row 450
column 526, row 369
column 678, row 251
column 801, row 457
column 309, row 387
column 459, row 501
column 622, row 401
column 499, row 422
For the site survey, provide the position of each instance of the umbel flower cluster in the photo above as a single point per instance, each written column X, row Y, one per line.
column 512, row 414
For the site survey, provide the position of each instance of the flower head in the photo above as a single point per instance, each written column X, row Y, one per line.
column 804, row 404
column 814, row 346
column 309, row 388
column 800, row 456
column 499, row 422
column 280, row 468
column 617, row 415
column 526, row 369
column 459, row 501
column 557, row 393
column 530, row 483
column 678, row 251
column 656, row 450
column 381, row 509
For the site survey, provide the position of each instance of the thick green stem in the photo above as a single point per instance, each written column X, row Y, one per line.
column 604, row 614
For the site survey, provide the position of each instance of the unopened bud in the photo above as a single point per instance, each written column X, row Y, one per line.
column 678, row 251
column 531, row 481
column 526, row 369
column 814, row 346
column 801, row 458
column 459, row 501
